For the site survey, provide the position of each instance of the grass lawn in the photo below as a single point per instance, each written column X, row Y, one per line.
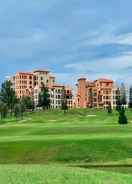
column 38, row 174
column 91, row 139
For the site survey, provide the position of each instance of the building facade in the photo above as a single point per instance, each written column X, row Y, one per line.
column 23, row 84
column 68, row 96
column 43, row 77
column 98, row 93
column 29, row 84
column 56, row 93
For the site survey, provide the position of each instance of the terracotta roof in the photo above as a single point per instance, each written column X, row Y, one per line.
column 82, row 79
column 24, row 73
column 104, row 80
column 40, row 70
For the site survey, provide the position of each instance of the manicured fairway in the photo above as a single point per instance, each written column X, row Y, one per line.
column 80, row 138
column 37, row 174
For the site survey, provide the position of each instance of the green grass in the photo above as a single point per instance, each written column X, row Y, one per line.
column 74, row 139
column 38, row 174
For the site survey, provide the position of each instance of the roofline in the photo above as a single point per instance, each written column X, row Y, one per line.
column 24, row 73
column 57, row 85
column 82, row 79
column 104, row 80
column 41, row 70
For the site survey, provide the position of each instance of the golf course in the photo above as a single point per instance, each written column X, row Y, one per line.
column 78, row 147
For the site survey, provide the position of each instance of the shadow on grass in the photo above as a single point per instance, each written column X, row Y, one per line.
column 119, row 168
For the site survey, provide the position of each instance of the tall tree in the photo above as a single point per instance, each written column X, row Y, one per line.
column 44, row 98
column 123, row 99
column 7, row 95
column 130, row 97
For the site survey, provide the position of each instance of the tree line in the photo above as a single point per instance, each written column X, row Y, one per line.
column 13, row 106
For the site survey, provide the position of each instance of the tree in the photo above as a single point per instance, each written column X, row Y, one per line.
column 7, row 95
column 64, row 106
column 44, row 98
column 109, row 109
column 123, row 99
column 118, row 101
column 130, row 97
column 122, row 116
column 91, row 98
column 19, row 109
column 27, row 101
column 3, row 110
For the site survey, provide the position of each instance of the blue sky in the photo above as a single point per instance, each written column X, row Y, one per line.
column 72, row 38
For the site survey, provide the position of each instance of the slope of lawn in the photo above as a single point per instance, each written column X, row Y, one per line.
column 38, row 174
column 82, row 138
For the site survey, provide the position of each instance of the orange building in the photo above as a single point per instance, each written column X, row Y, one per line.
column 97, row 93
column 68, row 96
column 24, row 84
column 29, row 84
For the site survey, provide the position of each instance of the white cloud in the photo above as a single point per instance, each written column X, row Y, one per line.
column 115, row 68
column 108, row 38
column 105, row 64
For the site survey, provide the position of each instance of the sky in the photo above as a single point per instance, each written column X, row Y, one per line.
column 71, row 38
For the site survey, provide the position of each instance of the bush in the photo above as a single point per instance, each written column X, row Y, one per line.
column 122, row 116
column 64, row 106
column 3, row 110
column 109, row 109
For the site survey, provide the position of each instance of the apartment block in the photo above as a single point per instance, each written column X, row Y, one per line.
column 36, row 92
column 56, row 93
column 43, row 77
column 98, row 93
column 115, row 95
column 29, row 84
column 23, row 83
column 68, row 95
